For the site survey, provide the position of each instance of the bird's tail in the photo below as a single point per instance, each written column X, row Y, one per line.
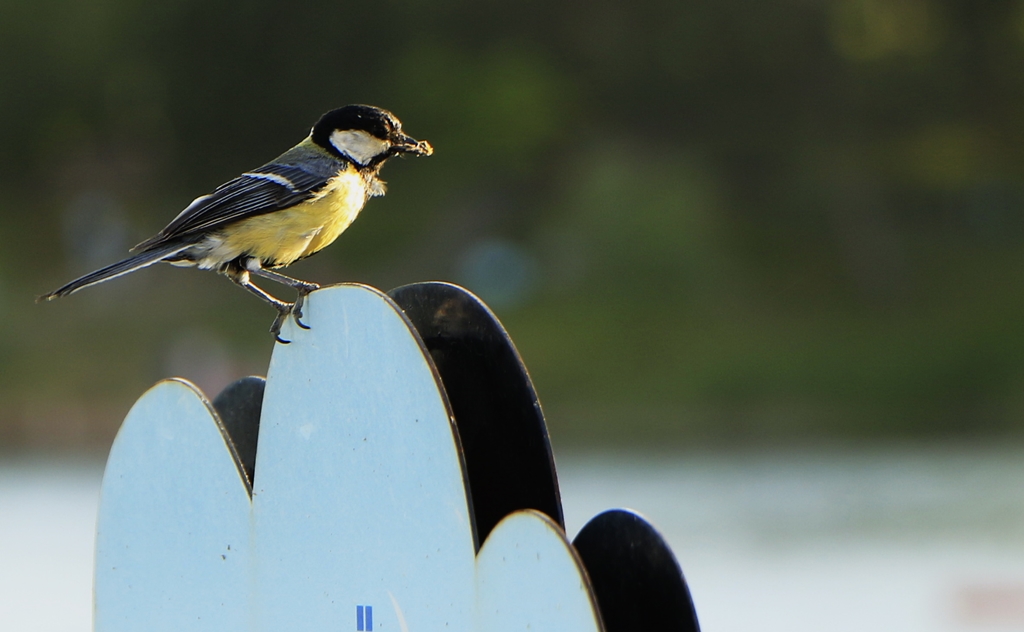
column 114, row 270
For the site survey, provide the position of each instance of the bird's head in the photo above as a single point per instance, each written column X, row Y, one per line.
column 366, row 135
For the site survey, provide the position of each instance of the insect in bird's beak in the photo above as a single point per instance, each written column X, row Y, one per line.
column 403, row 144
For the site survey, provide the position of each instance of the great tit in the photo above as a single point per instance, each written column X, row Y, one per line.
column 277, row 214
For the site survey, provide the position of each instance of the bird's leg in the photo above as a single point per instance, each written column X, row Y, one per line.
column 241, row 278
column 303, row 288
column 283, row 310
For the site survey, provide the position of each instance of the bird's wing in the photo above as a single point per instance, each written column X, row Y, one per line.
column 269, row 188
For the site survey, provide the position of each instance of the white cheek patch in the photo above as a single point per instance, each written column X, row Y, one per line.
column 358, row 145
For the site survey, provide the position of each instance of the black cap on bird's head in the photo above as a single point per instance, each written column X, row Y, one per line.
column 366, row 135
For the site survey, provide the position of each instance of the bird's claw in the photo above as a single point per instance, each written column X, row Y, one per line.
column 275, row 329
column 294, row 310
column 300, row 300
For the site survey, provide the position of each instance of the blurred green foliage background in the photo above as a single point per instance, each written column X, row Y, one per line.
column 703, row 222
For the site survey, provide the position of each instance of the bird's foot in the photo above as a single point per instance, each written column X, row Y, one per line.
column 284, row 310
column 282, row 315
column 300, row 300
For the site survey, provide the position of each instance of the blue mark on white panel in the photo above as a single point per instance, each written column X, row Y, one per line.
column 364, row 618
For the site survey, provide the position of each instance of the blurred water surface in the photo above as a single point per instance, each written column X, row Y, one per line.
column 47, row 529
column 900, row 540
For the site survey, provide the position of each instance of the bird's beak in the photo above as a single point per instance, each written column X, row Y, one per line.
column 403, row 144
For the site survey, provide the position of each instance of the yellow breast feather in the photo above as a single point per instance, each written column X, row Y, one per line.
column 282, row 237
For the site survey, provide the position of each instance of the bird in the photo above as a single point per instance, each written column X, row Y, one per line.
column 286, row 210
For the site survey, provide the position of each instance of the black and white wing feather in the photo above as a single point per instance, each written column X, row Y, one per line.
column 269, row 188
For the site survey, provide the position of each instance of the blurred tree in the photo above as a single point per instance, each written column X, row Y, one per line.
column 734, row 221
